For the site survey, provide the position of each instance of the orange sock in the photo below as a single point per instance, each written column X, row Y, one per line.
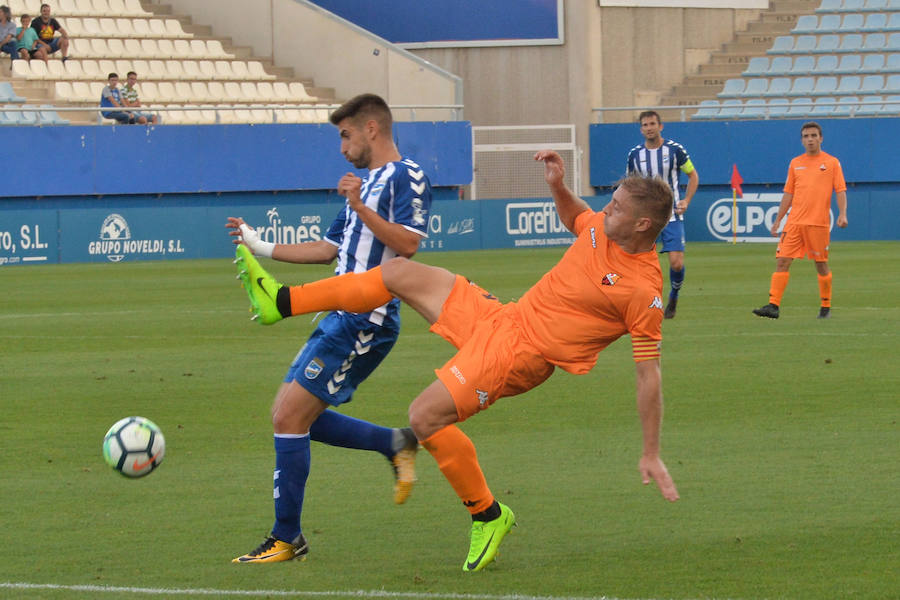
column 825, row 289
column 456, row 458
column 353, row 292
column 779, row 283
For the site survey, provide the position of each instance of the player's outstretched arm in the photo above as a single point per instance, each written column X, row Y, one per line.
column 316, row 252
column 650, row 409
column 568, row 205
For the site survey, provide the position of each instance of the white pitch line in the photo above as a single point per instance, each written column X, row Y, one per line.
column 295, row 593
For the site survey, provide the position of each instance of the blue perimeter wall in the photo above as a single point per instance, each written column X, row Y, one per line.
column 123, row 193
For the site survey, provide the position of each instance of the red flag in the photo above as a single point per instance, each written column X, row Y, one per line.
column 736, row 181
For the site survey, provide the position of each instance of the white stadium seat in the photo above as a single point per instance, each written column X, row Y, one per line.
column 174, row 28
column 198, row 49
column 165, row 49
column 62, row 90
column 217, row 91
column 199, row 93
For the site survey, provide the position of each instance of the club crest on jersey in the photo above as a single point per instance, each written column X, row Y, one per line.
column 314, row 368
column 610, row 279
column 822, row 167
column 482, row 398
column 657, row 303
column 376, row 189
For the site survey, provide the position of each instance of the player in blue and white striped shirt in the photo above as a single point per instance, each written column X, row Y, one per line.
column 667, row 159
column 385, row 216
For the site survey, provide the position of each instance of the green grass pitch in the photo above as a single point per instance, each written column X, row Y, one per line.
column 782, row 437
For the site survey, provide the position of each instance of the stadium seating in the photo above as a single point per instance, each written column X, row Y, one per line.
column 7, row 94
column 850, row 63
column 874, row 63
column 781, row 65
column 849, row 84
column 755, row 108
column 827, row 63
column 803, row 65
column 756, row 67
column 733, row 88
column 756, row 87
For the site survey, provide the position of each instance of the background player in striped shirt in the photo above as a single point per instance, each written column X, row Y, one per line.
column 811, row 178
column 385, row 216
column 606, row 285
column 658, row 157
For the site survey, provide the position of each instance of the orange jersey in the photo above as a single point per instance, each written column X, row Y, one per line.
column 811, row 179
column 594, row 295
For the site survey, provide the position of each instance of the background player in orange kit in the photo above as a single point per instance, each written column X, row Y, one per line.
column 606, row 285
column 811, row 178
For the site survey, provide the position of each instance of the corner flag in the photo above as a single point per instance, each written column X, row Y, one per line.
column 736, row 181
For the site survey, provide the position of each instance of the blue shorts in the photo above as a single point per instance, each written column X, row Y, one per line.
column 54, row 44
column 672, row 237
column 342, row 351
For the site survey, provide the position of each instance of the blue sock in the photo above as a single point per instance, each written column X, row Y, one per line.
column 676, row 278
column 291, row 471
column 337, row 429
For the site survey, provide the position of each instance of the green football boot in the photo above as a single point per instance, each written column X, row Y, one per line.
column 486, row 537
column 261, row 287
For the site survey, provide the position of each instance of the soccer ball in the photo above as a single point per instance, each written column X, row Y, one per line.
column 134, row 446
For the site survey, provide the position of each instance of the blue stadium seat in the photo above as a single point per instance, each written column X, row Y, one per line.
column 869, row 105
column 756, row 87
column 829, row 24
column 758, row 65
column 846, row 106
column 893, row 5
column 829, row 6
column 874, row 63
column 875, row 22
column 50, row 116
column 733, row 88
column 852, row 5
column 7, row 94
column 806, row 24
column 827, row 63
column 778, row 107
column 824, row 107
column 849, row 84
column 893, row 22
column 852, row 42
column 892, row 84
column 872, row 84
column 805, row 44
column 803, row 65
column 781, row 65
column 779, row 86
column 731, row 109
column 875, row 5
column 825, row 86
column 850, row 63
column 28, row 117
column 891, row 106
column 4, row 117
column 802, row 86
column 708, row 109
column 874, row 42
column 851, row 23
column 781, row 45
column 893, row 63
column 893, row 41
column 754, row 109
column 800, row 107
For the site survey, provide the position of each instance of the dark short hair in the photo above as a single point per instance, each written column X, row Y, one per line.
column 652, row 198
column 25, row 16
column 5, row 10
column 111, row 75
column 43, row 5
column 362, row 108
column 649, row 113
column 130, row 73
column 811, row 125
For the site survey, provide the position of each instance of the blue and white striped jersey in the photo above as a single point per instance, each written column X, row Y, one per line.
column 665, row 162
column 400, row 193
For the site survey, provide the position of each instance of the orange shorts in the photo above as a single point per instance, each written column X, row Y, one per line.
column 800, row 241
column 495, row 359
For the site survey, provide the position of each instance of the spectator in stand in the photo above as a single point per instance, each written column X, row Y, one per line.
column 29, row 45
column 111, row 97
column 8, row 42
column 46, row 28
column 131, row 100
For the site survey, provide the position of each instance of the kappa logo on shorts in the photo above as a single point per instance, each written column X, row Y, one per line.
column 482, row 398
column 657, row 303
column 314, row 368
column 610, row 279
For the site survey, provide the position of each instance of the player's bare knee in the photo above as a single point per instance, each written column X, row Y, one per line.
column 392, row 272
